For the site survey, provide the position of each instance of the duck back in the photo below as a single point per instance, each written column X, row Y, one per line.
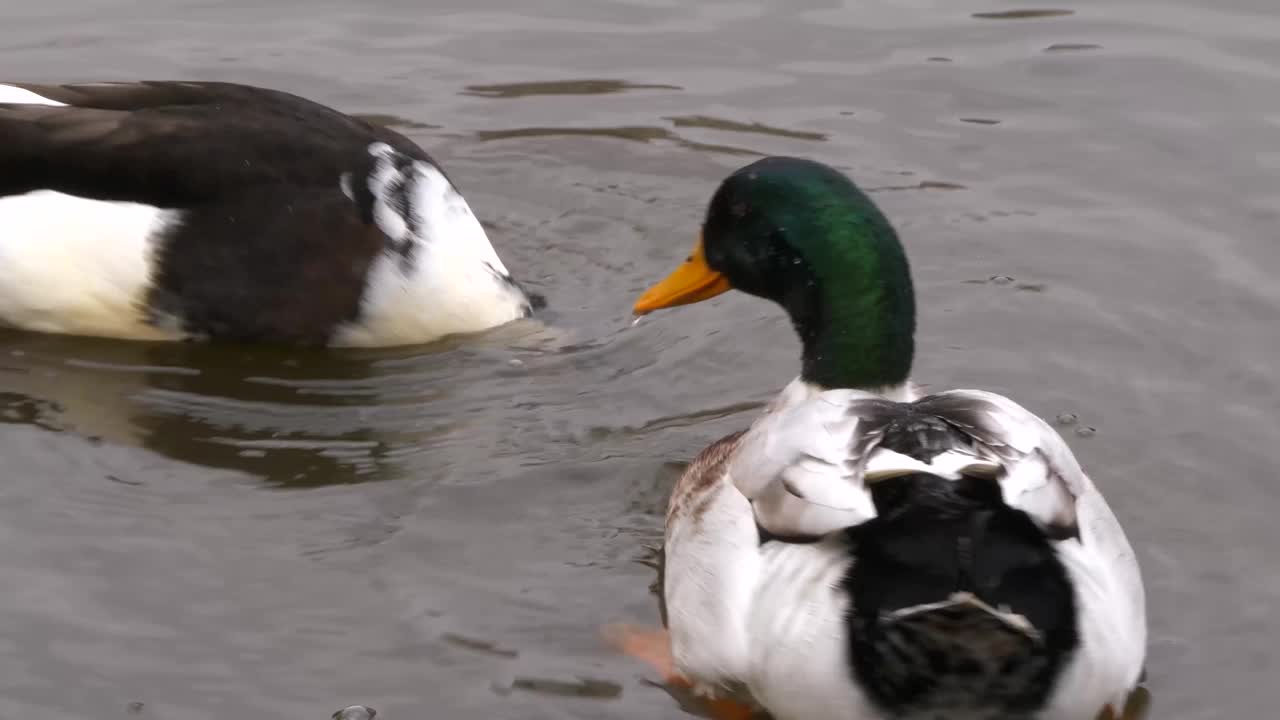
column 959, row 602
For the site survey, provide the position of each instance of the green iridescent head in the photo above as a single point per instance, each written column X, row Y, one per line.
column 802, row 234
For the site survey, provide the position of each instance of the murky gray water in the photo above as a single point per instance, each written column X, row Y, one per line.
column 438, row 532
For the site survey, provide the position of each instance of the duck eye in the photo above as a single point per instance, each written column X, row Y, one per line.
column 689, row 259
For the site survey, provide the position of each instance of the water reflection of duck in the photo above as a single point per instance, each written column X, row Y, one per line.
column 176, row 210
column 296, row 417
column 863, row 550
column 240, row 408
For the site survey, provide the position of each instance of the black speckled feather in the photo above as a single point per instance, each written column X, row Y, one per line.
column 919, row 430
column 935, row 538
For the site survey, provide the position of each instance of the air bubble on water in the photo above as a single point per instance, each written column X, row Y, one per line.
column 1000, row 279
column 1067, row 418
column 1086, row 431
column 356, row 712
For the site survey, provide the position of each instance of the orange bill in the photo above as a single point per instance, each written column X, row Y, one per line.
column 692, row 282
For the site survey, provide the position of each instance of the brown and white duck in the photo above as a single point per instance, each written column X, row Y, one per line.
column 203, row 210
column 864, row 550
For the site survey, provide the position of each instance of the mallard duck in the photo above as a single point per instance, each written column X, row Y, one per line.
column 863, row 550
column 188, row 210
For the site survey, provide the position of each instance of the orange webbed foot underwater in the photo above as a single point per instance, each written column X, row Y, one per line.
column 652, row 646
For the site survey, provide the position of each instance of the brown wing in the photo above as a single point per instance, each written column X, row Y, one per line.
column 179, row 144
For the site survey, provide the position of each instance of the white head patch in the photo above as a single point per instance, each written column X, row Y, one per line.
column 439, row 274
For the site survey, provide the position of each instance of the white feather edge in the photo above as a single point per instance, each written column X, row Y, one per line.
column 21, row 96
column 1013, row 620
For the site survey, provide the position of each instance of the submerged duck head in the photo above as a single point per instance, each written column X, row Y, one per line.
column 802, row 234
column 438, row 273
